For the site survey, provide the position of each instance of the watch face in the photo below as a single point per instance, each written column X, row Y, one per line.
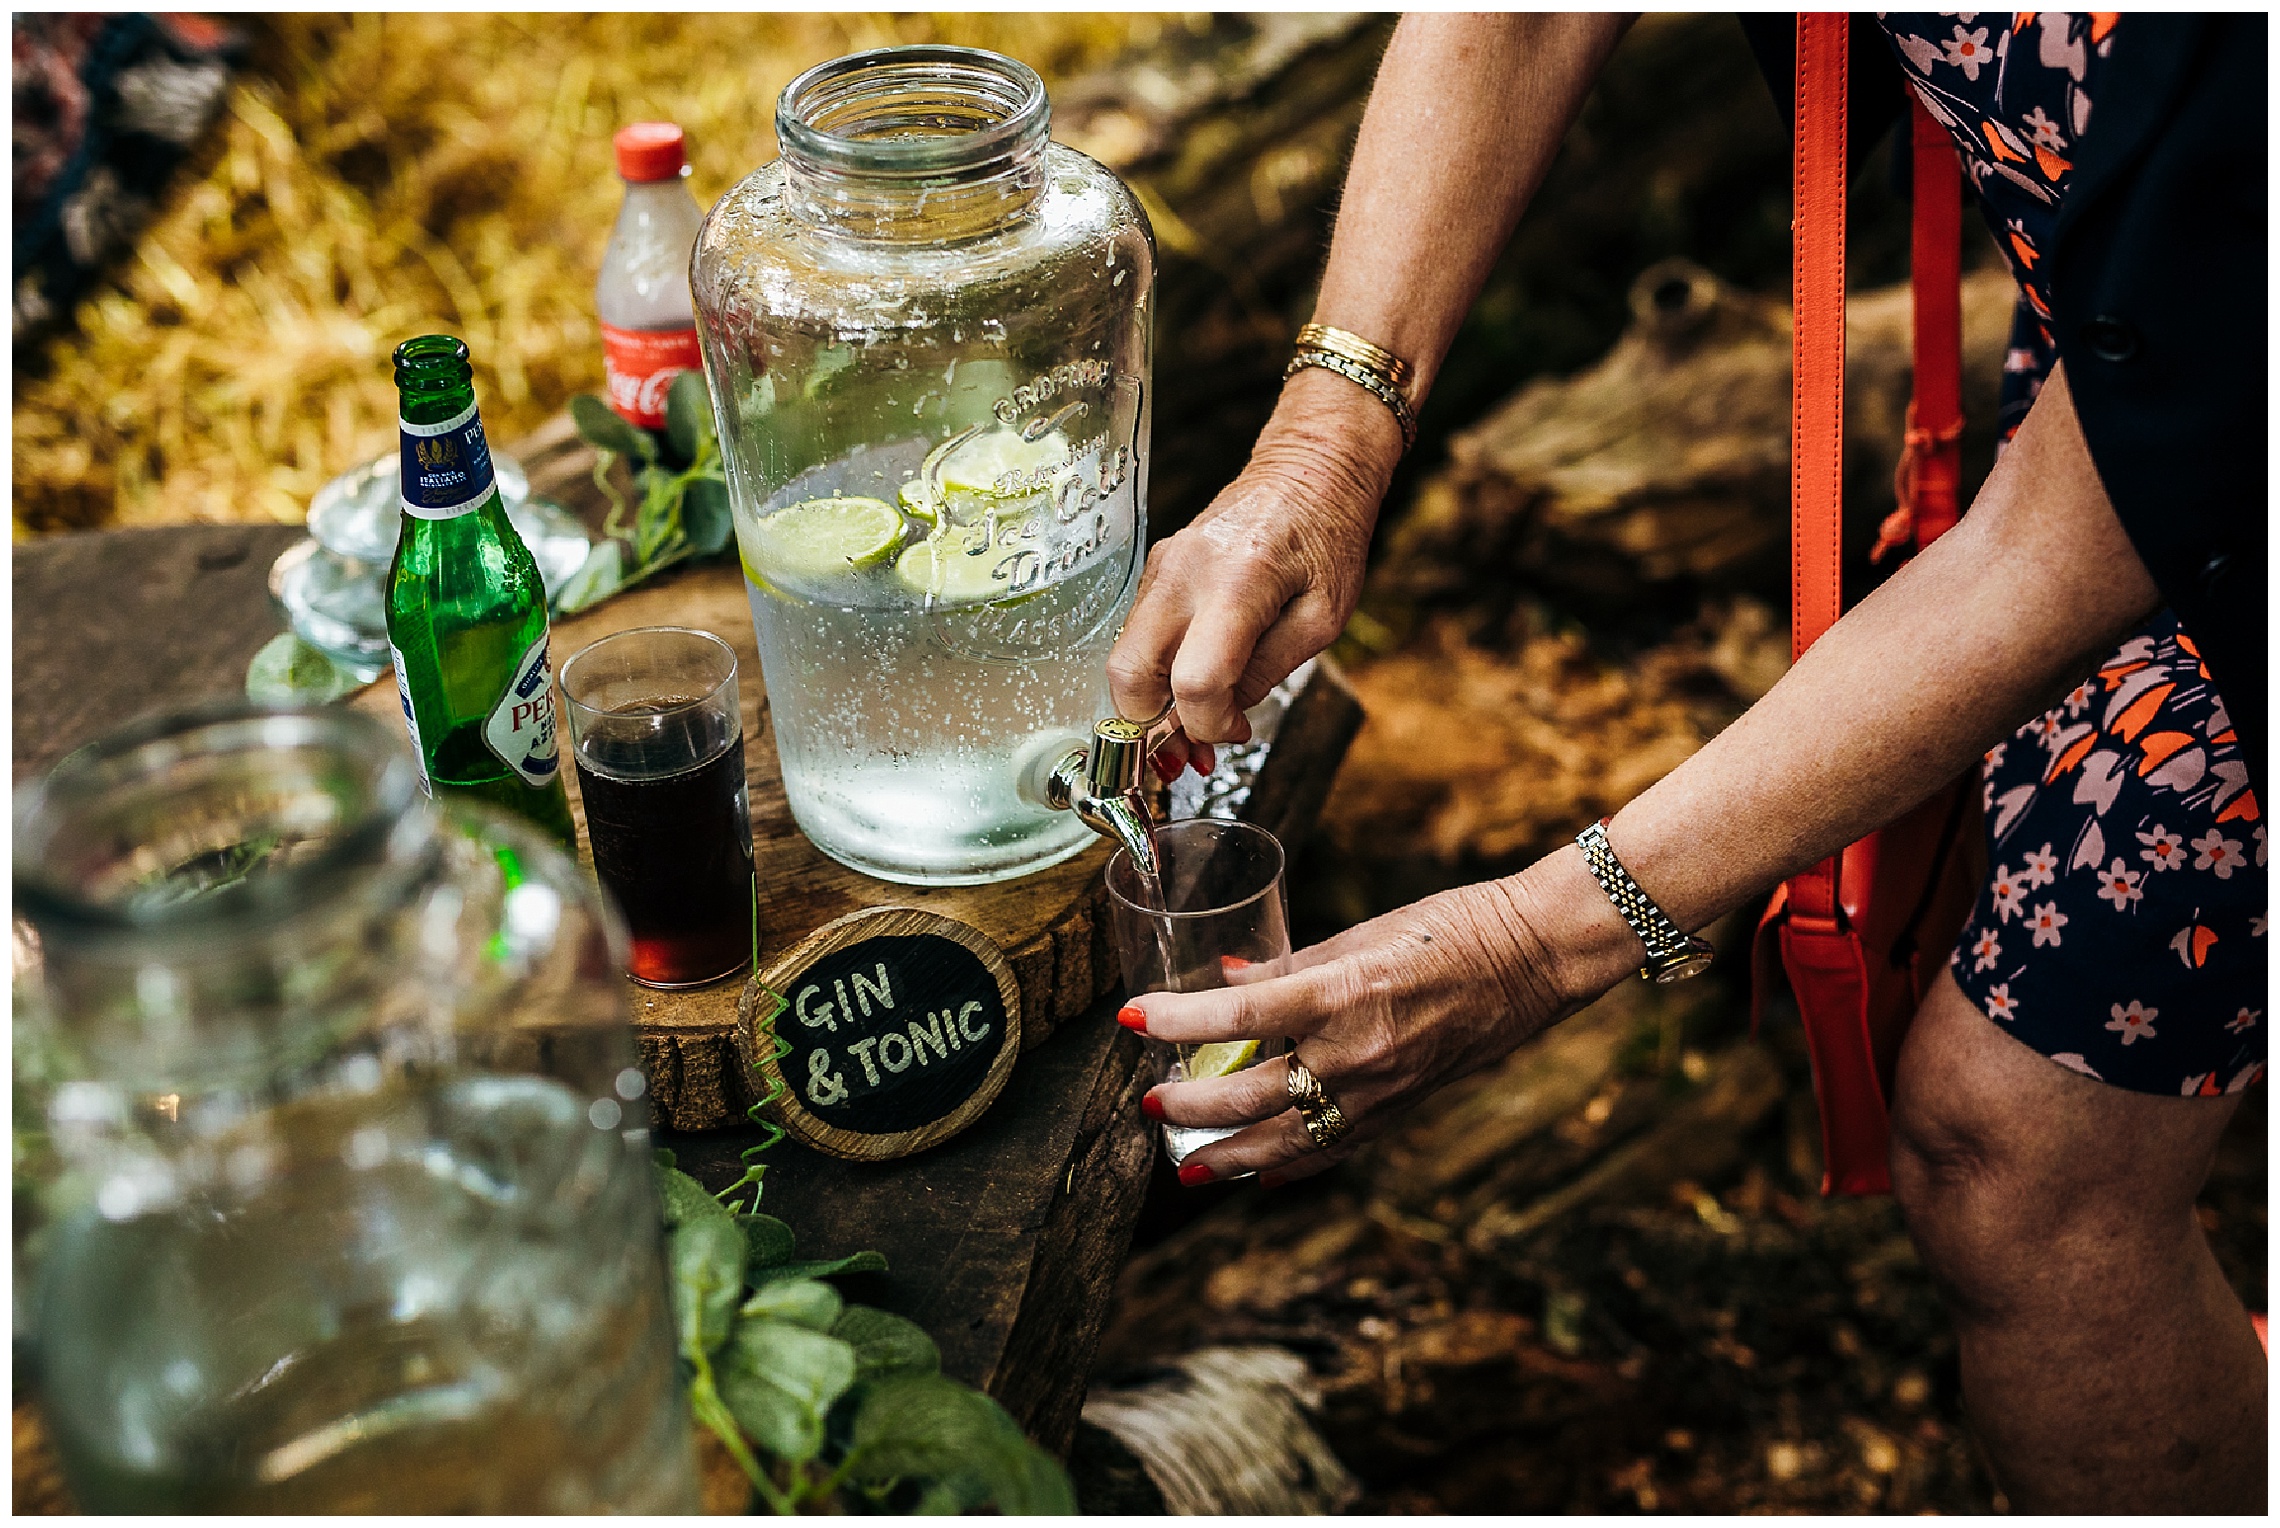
column 1693, row 963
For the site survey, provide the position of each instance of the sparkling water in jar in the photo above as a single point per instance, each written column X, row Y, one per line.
column 927, row 333
column 336, row 1148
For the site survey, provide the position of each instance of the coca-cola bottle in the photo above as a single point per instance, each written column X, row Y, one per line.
column 649, row 335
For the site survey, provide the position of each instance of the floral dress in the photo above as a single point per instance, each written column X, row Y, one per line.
column 2121, row 931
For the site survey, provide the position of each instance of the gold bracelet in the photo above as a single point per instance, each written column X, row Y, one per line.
column 1364, row 378
column 1344, row 342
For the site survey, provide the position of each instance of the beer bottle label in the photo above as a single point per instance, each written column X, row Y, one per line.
column 411, row 722
column 521, row 726
column 638, row 368
column 447, row 466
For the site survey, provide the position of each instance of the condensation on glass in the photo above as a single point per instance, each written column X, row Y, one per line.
column 927, row 333
column 333, row 1163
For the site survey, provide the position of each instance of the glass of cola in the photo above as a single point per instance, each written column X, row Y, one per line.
column 659, row 743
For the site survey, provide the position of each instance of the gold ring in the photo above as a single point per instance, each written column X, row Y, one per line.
column 1317, row 1111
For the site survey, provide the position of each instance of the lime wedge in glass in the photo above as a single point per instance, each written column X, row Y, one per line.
column 944, row 568
column 1220, row 1058
column 821, row 537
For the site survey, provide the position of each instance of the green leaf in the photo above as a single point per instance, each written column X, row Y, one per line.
column 766, row 1240
column 601, row 427
column 779, row 1379
column 885, row 1344
column 688, row 414
column 707, row 1258
column 929, row 1428
column 685, row 1198
column 823, row 1267
column 802, row 1302
column 289, row 672
column 601, row 575
column 942, row 1499
column 705, row 519
column 664, row 1156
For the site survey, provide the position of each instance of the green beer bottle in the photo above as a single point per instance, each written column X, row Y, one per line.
column 466, row 609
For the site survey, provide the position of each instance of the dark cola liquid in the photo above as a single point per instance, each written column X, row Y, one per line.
column 673, row 845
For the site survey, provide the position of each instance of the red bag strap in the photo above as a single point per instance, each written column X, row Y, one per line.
column 1817, row 381
column 1927, row 484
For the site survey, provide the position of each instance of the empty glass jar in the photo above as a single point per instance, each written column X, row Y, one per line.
column 927, row 329
column 343, row 1188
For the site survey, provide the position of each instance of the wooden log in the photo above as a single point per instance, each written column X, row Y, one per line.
column 1662, row 471
column 1699, row 1138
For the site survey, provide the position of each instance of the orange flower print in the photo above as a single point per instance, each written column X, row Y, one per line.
column 2199, row 1085
column 2008, row 891
column 2218, row 854
column 2046, row 921
column 2079, row 698
column 2133, row 1023
column 2164, row 849
column 2000, row 1004
column 2074, row 1062
column 1985, row 951
column 2256, row 927
column 2245, row 1019
column 2245, row 1078
column 2258, row 835
column 2120, row 885
column 1969, row 52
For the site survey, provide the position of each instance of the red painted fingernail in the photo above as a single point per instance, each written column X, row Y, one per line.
column 1167, row 768
column 1150, row 1106
column 1233, row 963
column 1203, row 760
column 1193, row 1173
column 1132, row 1018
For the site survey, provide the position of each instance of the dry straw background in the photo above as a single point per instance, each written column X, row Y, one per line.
column 377, row 177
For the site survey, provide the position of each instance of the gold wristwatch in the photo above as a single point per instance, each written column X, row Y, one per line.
column 1672, row 953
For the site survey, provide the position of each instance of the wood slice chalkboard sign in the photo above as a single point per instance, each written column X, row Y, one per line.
column 902, row 1026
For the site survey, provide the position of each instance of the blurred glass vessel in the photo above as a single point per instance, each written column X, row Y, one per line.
column 344, row 1199
column 927, row 334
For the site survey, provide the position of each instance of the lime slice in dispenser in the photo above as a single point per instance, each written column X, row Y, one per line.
column 1220, row 1058
column 913, row 499
column 1001, row 465
column 945, row 567
column 821, row 537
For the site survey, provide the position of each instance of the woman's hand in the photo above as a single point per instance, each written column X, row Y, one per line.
column 1383, row 1014
column 1266, row 576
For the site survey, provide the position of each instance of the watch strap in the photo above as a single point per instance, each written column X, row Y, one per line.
column 1667, row 944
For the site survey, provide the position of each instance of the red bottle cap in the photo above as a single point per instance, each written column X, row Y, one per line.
column 650, row 151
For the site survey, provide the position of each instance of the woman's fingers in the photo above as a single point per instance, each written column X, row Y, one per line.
column 1212, row 660
column 1238, row 1098
column 1140, row 664
column 1265, row 1010
column 1277, row 1147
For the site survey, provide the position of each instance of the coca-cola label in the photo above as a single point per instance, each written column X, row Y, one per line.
column 447, row 466
column 639, row 365
column 411, row 722
column 520, row 729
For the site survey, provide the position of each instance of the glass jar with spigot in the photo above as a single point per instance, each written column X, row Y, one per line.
column 927, row 333
column 337, row 1146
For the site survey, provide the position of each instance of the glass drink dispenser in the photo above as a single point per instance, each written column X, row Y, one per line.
column 927, row 333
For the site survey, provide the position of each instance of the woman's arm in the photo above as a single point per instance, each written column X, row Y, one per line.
column 1996, row 619
column 1462, row 125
